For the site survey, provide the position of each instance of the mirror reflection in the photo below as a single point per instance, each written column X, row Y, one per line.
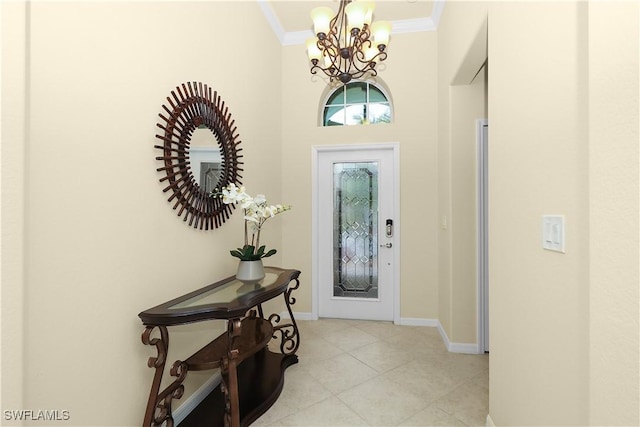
column 206, row 160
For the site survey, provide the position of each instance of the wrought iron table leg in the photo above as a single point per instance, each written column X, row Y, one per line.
column 159, row 404
column 289, row 334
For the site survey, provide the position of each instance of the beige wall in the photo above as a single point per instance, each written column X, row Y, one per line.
column 468, row 104
column 563, row 139
column 100, row 241
column 414, row 128
column 614, row 192
column 12, row 128
column 548, row 325
column 461, row 101
column 538, row 164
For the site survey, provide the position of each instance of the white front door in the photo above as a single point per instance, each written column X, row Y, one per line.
column 357, row 232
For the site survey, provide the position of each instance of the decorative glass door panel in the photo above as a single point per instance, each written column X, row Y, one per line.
column 355, row 230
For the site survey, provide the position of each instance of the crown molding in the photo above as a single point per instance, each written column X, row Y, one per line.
column 272, row 19
column 291, row 38
column 296, row 37
column 414, row 25
column 436, row 12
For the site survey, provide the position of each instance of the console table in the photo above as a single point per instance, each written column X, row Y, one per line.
column 252, row 374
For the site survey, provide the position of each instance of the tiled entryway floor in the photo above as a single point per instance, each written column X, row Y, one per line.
column 359, row 373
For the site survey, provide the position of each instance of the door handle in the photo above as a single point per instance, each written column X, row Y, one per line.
column 388, row 245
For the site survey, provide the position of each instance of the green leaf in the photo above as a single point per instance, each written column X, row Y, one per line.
column 247, row 250
column 268, row 254
column 249, row 253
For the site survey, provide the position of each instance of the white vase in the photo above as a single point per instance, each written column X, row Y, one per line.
column 250, row 271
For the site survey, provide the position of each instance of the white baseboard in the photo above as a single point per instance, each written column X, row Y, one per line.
column 490, row 422
column 194, row 400
column 454, row 347
column 417, row 321
column 463, row 348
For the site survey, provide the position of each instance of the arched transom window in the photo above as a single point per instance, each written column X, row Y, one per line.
column 356, row 103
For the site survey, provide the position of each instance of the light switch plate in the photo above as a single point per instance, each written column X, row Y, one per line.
column 553, row 232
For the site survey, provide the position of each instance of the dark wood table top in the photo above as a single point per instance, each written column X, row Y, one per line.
column 226, row 299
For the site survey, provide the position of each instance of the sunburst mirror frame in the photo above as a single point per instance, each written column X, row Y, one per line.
column 194, row 105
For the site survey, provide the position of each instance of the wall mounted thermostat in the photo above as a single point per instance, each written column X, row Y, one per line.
column 553, row 233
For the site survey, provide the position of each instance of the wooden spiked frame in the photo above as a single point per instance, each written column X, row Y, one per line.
column 194, row 105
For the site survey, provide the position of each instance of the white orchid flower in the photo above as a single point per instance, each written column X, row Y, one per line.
column 251, row 216
column 246, row 202
column 229, row 194
column 259, row 211
column 256, row 213
column 233, row 194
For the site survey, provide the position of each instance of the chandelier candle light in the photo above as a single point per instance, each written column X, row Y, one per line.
column 347, row 46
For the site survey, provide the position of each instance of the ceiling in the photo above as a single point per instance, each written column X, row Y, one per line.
column 292, row 24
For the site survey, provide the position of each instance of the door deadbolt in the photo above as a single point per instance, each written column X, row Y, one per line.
column 389, row 228
column 388, row 245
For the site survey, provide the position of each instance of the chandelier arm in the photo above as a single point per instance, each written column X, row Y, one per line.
column 328, row 47
column 361, row 72
column 364, row 37
column 382, row 55
column 359, row 54
column 332, row 76
column 329, row 70
column 333, row 64
column 361, row 65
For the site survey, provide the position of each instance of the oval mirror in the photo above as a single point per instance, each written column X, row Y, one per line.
column 201, row 154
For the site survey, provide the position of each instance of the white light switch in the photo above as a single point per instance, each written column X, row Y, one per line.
column 553, row 232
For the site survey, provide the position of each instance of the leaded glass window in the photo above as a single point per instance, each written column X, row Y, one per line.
column 355, row 230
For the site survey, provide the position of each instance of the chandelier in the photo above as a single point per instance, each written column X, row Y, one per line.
column 347, row 46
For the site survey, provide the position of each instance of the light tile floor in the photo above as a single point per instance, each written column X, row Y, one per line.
column 359, row 373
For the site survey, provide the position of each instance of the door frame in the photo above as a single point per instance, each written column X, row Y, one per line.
column 315, row 203
column 482, row 203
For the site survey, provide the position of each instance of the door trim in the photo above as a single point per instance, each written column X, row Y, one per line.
column 315, row 203
column 482, row 199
